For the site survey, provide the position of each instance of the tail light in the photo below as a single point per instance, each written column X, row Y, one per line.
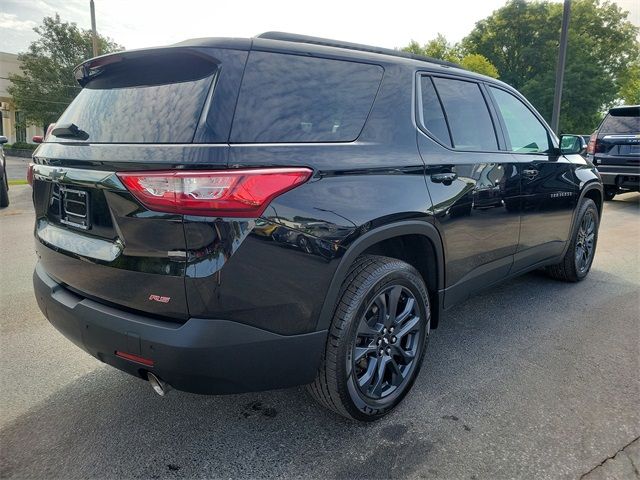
column 592, row 147
column 223, row 193
column 49, row 128
column 30, row 174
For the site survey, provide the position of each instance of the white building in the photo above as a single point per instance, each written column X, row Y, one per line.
column 11, row 118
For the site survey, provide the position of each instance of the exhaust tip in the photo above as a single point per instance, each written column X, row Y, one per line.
column 159, row 386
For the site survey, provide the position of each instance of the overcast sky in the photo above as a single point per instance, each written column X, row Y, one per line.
column 143, row 23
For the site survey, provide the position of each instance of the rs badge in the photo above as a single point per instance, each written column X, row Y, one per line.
column 158, row 298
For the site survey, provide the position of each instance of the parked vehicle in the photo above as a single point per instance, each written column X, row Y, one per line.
column 228, row 215
column 4, row 180
column 615, row 150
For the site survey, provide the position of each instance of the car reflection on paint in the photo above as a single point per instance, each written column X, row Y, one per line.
column 264, row 228
column 306, row 235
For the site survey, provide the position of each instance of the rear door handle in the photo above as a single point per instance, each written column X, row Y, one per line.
column 446, row 177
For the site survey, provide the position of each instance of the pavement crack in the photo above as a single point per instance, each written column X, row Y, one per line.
column 611, row 457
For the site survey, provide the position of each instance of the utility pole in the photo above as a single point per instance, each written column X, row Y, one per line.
column 94, row 36
column 562, row 56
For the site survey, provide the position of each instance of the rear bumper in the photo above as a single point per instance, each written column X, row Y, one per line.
column 624, row 181
column 624, row 177
column 199, row 356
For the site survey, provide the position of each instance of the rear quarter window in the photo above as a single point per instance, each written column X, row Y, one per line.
column 290, row 98
column 467, row 115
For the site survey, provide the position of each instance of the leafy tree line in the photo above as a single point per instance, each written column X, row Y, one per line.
column 441, row 49
column 47, row 84
column 519, row 42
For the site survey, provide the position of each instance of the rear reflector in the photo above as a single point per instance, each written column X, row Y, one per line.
column 135, row 358
column 217, row 193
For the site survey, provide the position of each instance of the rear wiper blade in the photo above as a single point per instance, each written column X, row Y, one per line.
column 69, row 130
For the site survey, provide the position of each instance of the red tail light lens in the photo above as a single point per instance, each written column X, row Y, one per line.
column 30, row 174
column 223, row 193
column 49, row 128
column 593, row 143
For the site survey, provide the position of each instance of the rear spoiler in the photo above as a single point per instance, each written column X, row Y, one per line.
column 92, row 68
column 625, row 111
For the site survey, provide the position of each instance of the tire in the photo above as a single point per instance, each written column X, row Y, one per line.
column 4, row 192
column 354, row 389
column 576, row 264
column 304, row 244
column 609, row 193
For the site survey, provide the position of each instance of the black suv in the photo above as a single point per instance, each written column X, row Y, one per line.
column 615, row 150
column 227, row 215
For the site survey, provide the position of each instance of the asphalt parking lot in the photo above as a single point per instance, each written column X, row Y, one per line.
column 17, row 168
column 531, row 379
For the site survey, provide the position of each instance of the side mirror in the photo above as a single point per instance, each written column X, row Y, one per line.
column 572, row 144
column 37, row 139
column 3, row 139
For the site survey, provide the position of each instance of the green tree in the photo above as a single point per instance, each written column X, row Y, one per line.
column 480, row 64
column 47, row 84
column 521, row 40
column 630, row 84
column 441, row 49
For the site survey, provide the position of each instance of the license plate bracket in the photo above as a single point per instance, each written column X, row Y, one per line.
column 74, row 207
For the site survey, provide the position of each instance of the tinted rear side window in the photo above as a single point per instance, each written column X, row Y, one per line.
column 467, row 113
column 621, row 124
column 432, row 115
column 156, row 98
column 289, row 98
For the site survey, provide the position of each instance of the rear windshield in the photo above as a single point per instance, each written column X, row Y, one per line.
column 156, row 98
column 290, row 98
column 620, row 124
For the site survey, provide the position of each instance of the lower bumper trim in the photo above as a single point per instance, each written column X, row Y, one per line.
column 200, row 356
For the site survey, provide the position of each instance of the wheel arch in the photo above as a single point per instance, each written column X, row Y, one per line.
column 379, row 241
column 594, row 191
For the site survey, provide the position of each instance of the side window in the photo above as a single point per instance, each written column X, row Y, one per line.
column 432, row 115
column 526, row 133
column 291, row 98
column 468, row 115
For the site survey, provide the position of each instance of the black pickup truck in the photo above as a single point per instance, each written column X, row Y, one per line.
column 615, row 150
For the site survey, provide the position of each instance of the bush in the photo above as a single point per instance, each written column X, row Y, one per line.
column 22, row 146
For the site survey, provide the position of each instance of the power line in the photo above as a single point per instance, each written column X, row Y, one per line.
column 46, row 101
column 41, row 83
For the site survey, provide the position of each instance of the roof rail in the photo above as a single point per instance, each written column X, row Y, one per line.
column 293, row 37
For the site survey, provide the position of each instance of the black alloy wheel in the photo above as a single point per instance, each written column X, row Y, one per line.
column 585, row 242
column 377, row 339
column 387, row 342
column 580, row 252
